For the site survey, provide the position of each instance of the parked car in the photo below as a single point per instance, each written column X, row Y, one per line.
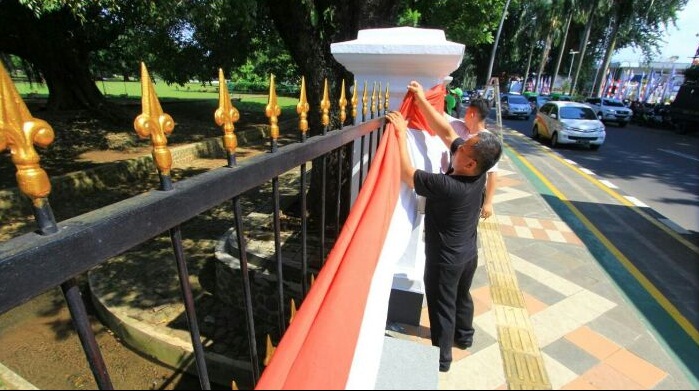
column 515, row 106
column 569, row 123
column 611, row 110
column 536, row 101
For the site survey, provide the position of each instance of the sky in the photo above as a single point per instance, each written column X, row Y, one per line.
column 681, row 41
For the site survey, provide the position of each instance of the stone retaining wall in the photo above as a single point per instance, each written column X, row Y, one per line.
column 81, row 183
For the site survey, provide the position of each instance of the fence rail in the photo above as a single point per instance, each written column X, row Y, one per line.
column 36, row 262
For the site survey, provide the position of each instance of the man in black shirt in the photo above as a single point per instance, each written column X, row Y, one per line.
column 452, row 209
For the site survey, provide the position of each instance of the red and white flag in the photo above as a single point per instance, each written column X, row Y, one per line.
column 336, row 338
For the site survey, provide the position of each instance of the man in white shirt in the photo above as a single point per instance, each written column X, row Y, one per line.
column 473, row 123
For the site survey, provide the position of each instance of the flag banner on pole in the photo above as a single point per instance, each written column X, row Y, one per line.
column 341, row 323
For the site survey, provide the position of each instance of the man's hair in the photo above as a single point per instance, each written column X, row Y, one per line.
column 482, row 107
column 487, row 150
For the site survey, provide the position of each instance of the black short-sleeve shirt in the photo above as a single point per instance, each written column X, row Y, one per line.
column 452, row 210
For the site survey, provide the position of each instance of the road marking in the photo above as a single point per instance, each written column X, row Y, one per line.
column 571, row 162
column 626, row 202
column 680, row 154
column 588, row 172
column 609, row 184
column 666, row 304
column 636, row 202
column 674, row 226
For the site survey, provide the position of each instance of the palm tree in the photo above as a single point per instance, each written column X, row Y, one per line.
column 569, row 8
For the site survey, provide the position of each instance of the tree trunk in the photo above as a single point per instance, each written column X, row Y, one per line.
column 308, row 34
column 583, row 45
column 607, row 57
column 54, row 44
column 563, row 48
column 545, row 53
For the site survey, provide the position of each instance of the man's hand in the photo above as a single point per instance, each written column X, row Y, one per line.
column 416, row 88
column 486, row 211
column 399, row 123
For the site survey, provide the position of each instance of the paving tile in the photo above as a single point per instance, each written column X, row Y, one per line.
column 592, row 342
column 571, row 356
column 538, row 290
column 559, row 374
column 605, row 377
column 617, row 331
column 553, row 281
column 533, row 304
column 636, row 368
column 579, row 383
column 479, row 371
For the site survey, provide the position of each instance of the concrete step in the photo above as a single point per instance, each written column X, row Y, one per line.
column 408, row 365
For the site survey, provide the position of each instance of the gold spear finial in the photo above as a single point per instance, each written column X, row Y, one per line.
column 379, row 100
column 365, row 101
column 325, row 105
column 153, row 123
column 355, row 100
column 313, row 279
column 386, row 100
column 293, row 311
column 272, row 111
column 226, row 116
column 270, row 351
column 343, row 105
column 234, row 385
column 373, row 100
column 302, row 108
column 19, row 132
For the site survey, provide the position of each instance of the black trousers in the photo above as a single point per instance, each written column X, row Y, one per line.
column 449, row 304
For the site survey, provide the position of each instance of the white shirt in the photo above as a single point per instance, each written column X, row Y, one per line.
column 460, row 128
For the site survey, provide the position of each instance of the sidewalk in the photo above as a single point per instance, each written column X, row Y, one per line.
column 547, row 316
column 586, row 336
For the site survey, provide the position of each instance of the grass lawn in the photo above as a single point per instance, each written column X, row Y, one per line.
column 190, row 91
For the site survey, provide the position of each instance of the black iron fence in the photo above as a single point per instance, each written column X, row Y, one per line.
column 57, row 253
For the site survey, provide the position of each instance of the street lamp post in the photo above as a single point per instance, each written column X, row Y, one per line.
column 572, row 60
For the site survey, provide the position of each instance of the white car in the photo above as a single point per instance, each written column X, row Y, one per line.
column 610, row 110
column 569, row 123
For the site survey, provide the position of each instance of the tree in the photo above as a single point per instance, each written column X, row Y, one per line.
column 637, row 23
column 471, row 22
column 178, row 40
column 59, row 47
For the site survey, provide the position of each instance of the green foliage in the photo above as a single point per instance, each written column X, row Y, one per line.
column 409, row 17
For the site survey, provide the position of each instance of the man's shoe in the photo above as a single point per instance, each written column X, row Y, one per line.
column 444, row 367
column 463, row 345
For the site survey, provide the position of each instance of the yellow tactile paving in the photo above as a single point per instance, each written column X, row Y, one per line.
column 523, row 364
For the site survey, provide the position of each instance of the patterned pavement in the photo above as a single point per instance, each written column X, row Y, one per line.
column 587, row 335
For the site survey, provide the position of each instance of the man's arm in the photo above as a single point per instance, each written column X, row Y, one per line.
column 490, row 186
column 407, row 171
column 435, row 119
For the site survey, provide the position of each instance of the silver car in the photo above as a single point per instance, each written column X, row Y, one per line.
column 611, row 110
column 515, row 106
column 569, row 123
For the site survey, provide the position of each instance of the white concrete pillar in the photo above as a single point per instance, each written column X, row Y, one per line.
column 396, row 56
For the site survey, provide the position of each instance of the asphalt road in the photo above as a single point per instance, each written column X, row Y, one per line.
column 657, row 168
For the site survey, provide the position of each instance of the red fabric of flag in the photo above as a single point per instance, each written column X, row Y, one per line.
column 317, row 350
